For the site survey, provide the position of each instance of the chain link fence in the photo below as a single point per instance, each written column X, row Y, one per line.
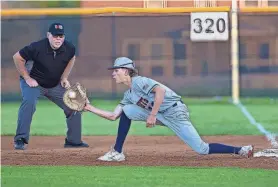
column 161, row 48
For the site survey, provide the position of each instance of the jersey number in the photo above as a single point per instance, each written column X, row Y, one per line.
column 144, row 103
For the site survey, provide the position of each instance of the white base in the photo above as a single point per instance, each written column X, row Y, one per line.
column 267, row 153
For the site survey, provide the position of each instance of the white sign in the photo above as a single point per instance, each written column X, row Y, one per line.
column 209, row 26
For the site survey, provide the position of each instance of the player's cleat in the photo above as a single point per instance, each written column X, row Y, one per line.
column 73, row 145
column 112, row 155
column 19, row 144
column 247, row 151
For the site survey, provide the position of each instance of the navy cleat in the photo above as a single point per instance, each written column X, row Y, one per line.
column 19, row 144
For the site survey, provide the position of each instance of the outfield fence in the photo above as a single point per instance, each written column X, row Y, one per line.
column 159, row 43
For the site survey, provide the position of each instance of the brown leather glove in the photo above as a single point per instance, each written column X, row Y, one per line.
column 76, row 97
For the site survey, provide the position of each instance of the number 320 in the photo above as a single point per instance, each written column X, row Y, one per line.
column 210, row 23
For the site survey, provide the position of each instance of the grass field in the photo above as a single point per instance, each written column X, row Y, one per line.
column 211, row 117
column 136, row 176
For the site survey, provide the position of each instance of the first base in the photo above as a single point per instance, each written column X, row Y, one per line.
column 267, row 153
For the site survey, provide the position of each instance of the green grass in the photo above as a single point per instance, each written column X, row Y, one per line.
column 210, row 117
column 266, row 115
column 135, row 176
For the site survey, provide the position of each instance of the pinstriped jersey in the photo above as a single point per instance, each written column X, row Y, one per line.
column 141, row 94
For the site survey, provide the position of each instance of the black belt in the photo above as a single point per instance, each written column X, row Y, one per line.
column 174, row 105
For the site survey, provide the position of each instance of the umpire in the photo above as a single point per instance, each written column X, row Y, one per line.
column 53, row 58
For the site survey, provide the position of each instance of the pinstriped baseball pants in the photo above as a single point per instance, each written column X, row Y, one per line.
column 27, row 109
column 177, row 119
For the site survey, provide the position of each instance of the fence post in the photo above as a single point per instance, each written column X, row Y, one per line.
column 114, row 51
column 234, row 52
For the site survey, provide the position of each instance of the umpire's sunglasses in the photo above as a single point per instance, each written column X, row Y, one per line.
column 58, row 36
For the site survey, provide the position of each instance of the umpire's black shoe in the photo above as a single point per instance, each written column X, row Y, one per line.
column 73, row 145
column 19, row 144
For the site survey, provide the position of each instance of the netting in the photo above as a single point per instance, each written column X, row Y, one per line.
column 258, row 54
column 161, row 48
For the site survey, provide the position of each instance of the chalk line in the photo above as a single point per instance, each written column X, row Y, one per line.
column 270, row 136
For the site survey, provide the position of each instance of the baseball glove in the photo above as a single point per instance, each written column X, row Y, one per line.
column 76, row 97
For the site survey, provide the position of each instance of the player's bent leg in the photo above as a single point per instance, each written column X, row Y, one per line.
column 123, row 129
column 73, row 118
column 116, row 154
column 130, row 112
column 183, row 129
column 189, row 135
column 25, row 114
column 136, row 113
column 177, row 119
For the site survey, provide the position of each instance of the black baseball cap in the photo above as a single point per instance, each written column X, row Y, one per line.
column 56, row 29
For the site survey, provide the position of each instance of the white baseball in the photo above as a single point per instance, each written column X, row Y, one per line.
column 72, row 95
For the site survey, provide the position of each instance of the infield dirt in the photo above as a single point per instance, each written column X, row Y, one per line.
column 139, row 151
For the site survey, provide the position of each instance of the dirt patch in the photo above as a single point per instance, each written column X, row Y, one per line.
column 139, row 151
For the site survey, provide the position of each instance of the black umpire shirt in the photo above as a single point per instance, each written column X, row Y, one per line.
column 49, row 64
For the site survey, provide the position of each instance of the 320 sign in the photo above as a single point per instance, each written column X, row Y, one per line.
column 209, row 26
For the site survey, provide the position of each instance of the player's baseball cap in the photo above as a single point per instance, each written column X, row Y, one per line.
column 56, row 29
column 123, row 62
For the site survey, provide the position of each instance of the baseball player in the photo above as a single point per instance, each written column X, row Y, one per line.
column 53, row 58
column 150, row 101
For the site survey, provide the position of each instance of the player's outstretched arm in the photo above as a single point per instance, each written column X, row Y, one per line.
column 105, row 114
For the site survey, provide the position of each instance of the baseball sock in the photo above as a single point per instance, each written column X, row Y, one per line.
column 221, row 148
column 123, row 129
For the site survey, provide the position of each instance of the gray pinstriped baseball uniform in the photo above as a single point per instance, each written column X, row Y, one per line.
column 137, row 104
